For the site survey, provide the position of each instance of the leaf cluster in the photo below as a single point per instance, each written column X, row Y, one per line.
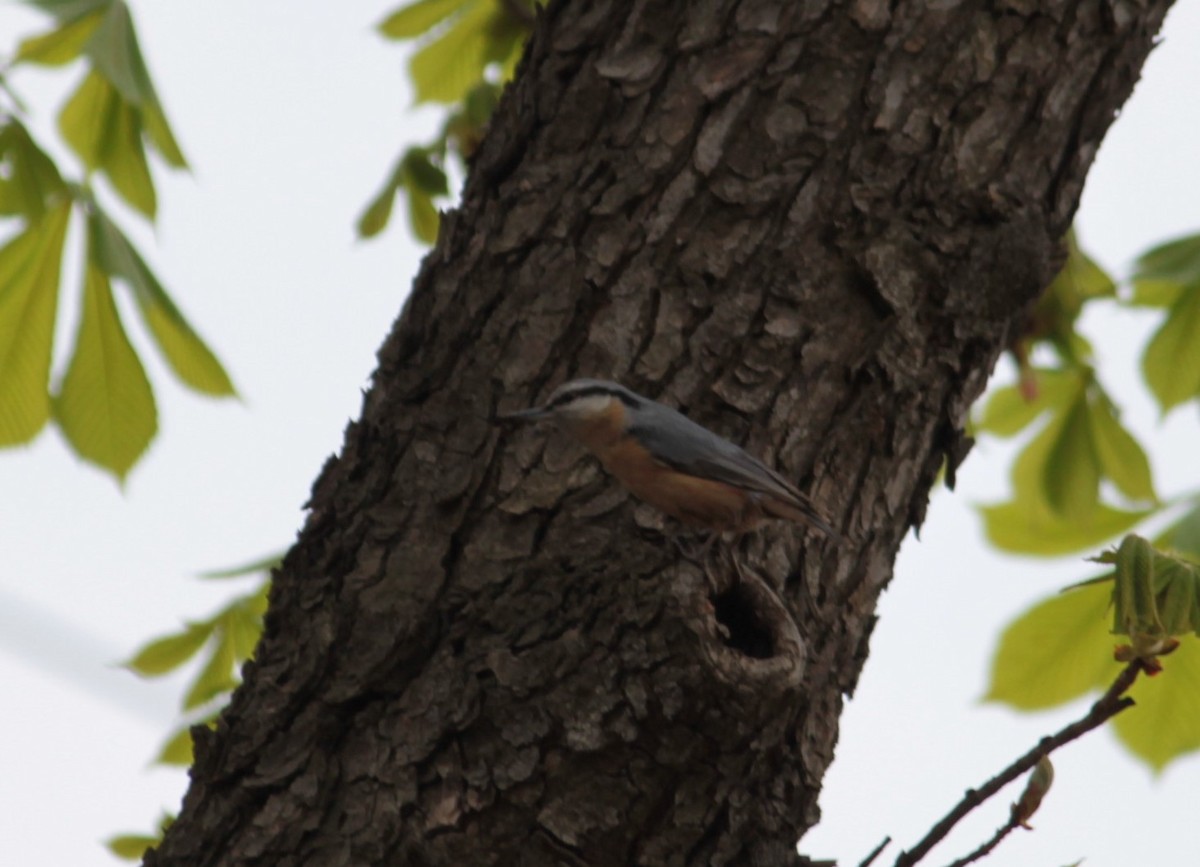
column 103, row 402
column 222, row 643
column 464, row 53
column 1081, row 479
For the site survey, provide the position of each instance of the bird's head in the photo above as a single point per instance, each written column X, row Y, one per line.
column 581, row 403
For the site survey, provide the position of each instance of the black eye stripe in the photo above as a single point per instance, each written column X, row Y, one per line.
column 564, row 399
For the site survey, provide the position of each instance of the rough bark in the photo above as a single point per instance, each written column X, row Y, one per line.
column 812, row 226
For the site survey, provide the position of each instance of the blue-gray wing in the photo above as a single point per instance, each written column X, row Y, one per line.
column 679, row 442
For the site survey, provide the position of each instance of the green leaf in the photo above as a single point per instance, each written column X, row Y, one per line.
column 1071, row 481
column 171, row 651
column 105, row 406
column 421, row 174
column 87, row 119
column 31, row 182
column 29, row 272
column 1023, row 528
column 1029, row 468
column 177, row 750
column 245, row 628
column 125, row 162
column 154, row 122
column 1055, row 652
column 417, row 18
column 1171, row 363
column 1007, row 412
column 1155, row 293
column 1165, row 723
column 114, row 51
column 1173, row 264
column 1184, row 536
column 423, row 216
column 1082, row 277
column 106, row 133
column 193, row 362
column 131, row 847
column 1121, row 457
column 68, row 10
column 379, row 211
column 265, row 564
column 481, row 102
column 61, row 45
column 449, row 66
column 217, row 675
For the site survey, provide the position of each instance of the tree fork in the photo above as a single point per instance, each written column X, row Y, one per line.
column 813, row 227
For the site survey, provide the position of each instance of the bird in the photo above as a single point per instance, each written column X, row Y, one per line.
column 667, row 460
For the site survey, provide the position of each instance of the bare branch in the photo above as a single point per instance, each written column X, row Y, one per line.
column 1001, row 832
column 1107, row 706
column 875, row 853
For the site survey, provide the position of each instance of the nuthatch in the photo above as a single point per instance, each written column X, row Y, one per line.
column 673, row 463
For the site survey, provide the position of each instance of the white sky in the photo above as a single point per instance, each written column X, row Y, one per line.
column 291, row 114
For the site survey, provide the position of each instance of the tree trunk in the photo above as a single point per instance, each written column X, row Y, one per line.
column 813, row 227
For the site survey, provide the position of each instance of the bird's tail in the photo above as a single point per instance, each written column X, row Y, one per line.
column 800, row 512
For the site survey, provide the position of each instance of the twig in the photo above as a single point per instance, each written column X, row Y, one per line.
column 1001, row 832
column 875, row 852
column 1107, row 706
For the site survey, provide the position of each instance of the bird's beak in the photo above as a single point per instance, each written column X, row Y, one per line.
column 537, row 413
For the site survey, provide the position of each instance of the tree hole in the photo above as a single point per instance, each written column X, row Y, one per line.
column 745, row 629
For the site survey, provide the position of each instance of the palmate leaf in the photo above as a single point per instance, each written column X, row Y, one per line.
column 1184, row 536
column 1061, row 650
column 1007, row 412
column 1171, row 363
column 177, row 751
column 167, row 653
column 263, row 564
column 1165, row 724
column 114, row 50
column 106, row 132
column 1024, row 527
column 62, row 44
column 1056, row 507
column 29, row 272
column 187, row 354
column 68, row 10
column 131, row 847
column 154, row 121
column 423, row 216
column 449, row 66
column 29, row 180
column 105, row 405
column 1163, row 272
column 375, row 216
column 1055, row 652
column 416, row 174
column 217, row 675
column 1083, row 276
column 1121, row 457
column 415, row 19
column 1071, row 472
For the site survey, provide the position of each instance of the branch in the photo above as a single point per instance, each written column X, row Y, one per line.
column 875, row 852
column 1001, row 832
column 1107, row 706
